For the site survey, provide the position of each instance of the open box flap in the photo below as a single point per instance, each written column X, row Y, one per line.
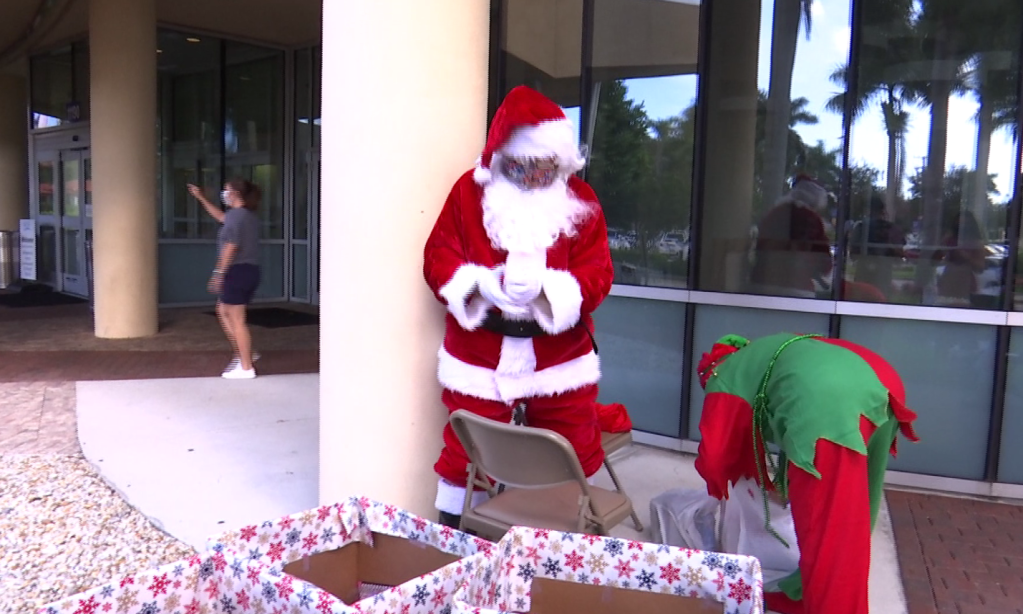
column 190, row 585
column 503, row 581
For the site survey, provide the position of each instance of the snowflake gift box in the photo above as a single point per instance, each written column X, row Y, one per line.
column 355, row 556
column 535, row 570
column 184, row 587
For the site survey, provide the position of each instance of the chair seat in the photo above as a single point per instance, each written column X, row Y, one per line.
column 554, row 508
column 612, row 442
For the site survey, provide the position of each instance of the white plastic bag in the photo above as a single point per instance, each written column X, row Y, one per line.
column 685, row 518
column 743, row 532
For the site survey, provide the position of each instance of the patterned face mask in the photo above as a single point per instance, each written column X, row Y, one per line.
column 530, row 173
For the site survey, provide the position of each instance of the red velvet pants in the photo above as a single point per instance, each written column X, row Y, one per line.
column 832, row 518
column 572, row 414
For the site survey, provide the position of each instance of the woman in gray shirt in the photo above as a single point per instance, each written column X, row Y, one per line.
column 236, row 274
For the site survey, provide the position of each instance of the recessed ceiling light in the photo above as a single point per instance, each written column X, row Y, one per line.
column 159, row 50
column 193, row 39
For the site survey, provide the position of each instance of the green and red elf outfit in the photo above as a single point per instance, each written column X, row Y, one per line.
column 833, row 408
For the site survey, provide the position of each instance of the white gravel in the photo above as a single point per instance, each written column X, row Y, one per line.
column 63, row 531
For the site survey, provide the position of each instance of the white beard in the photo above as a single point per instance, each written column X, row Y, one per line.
column 530, row 221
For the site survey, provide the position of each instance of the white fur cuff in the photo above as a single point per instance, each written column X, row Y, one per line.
column 557, row 309
column 451, row 498
column 468, row 313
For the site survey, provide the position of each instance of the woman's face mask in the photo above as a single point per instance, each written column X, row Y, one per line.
column 530, row 173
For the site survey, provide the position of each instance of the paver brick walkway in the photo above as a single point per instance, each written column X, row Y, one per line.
column 958, row 556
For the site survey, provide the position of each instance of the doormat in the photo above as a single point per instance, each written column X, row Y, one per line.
column 39, row 299
column 277, row 317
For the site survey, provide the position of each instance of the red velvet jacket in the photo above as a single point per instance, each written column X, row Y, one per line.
column 577, row 278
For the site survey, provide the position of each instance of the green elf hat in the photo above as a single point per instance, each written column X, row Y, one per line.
column 724, row 346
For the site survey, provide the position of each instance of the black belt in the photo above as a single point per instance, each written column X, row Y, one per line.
column 524, row 329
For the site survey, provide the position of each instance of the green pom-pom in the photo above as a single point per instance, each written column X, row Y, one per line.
column 736, row 341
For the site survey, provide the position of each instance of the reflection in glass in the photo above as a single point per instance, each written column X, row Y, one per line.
column 546, row 59
column 773, row 160
column 46, row 257
column 714, row 322
column 644, row 134
column 71, row 261
column 71, row 195
column 52, row 85
column 303, row 140
column 46, row 177
column 947, row 370
column 190, row 132
column 641, row 356
column 254, row 127
column 933, row 149
column 87, row 176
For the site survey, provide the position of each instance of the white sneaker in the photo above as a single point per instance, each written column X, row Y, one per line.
column 231, row 366
column 239, row 373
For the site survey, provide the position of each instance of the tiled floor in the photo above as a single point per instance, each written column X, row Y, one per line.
column 957, row 556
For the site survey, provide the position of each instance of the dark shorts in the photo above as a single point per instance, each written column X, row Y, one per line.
column 240, row 283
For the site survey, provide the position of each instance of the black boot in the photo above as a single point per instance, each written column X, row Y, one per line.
column 450, row 520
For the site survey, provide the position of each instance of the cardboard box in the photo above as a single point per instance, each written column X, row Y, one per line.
column 184, row 586
column 355, row 556
column 540, row 571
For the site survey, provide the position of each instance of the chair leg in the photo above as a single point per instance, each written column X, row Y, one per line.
column 618, row 487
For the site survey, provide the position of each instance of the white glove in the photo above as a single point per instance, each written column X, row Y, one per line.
column 522, row 275
column 522, row 291
column 490, row 288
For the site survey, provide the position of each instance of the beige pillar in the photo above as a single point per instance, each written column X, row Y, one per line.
column 13, row 151
column 731, row 137
column 122, row 48
column 392, row 147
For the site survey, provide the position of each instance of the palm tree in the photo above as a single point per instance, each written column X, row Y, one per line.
column 885, row 79
column 795, row 148
column 784, row 37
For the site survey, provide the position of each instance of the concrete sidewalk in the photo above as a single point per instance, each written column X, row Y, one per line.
column 200, row 456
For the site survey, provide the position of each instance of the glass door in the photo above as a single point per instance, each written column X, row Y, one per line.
column 75, row 201
column 314, row 222
column 46, row 210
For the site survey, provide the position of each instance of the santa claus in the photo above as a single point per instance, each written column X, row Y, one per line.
column 519, row 255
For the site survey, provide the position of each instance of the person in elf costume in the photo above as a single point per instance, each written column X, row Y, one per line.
column 519, row 256
column 833, row 408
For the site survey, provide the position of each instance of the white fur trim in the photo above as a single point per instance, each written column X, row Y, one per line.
column 557, row 309
column 556, row 138
column 451, row 498
column 480, row 175
column 469, row 314
column 488, row 384
column 517, row 356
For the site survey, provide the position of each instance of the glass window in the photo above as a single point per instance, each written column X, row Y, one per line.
column 46, row 178
column 1010, row 462
column 642, row 137
column 640, row 344
column 190, row 132
column 713, row 322
column 769, row 123
column 53, row 87
column 932, row 151
column 254, row 126
column 541, row 47
column 80, row 66
column 948, row 370
column 303, row 140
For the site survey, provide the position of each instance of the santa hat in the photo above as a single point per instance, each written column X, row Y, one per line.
column 808, row 193
column 529, row 124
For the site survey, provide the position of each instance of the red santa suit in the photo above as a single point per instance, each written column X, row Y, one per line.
column 504, row 345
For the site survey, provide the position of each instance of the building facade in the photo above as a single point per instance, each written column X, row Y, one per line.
column 697, row 115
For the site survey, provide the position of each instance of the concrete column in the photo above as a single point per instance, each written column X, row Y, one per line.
column 122, row 48
column 391, row 150
column 13, row 151
column 731, row 137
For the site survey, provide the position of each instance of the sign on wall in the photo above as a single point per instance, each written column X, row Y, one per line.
column 27, row 235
